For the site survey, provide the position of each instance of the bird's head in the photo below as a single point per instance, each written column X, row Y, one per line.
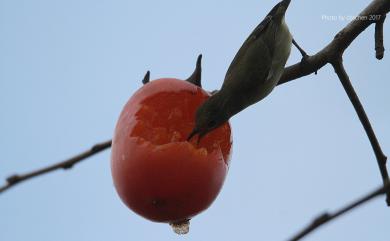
column 209, row 116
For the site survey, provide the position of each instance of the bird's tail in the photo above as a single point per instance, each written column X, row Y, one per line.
column 285, row 3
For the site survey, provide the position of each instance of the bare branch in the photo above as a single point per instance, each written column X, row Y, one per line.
column 339, row 44
column 67, row 164
column 381, row 158
column 327, row 217
column 332, row 54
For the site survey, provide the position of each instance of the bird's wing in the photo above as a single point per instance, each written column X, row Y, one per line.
column 245, row 83
column 256, row 65
column 252, row 37
column 251, row 69
column 256, row 33
column 261, row 27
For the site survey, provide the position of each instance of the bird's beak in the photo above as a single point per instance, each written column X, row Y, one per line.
column 201, row 135
column 192, row 134
column 196, row 132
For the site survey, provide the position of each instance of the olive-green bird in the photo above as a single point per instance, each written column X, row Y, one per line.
column 253, row 73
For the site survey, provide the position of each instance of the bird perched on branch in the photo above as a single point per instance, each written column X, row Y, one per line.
column 253, row 73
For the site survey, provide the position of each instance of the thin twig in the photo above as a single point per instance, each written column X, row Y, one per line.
column 379, row 47
column 67, row 164
column 327, row 217
column 380, row 157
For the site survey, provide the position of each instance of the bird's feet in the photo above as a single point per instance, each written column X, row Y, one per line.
column 305, row 56
column 304, row 60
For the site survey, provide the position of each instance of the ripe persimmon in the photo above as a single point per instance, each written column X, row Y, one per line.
column 158, row 173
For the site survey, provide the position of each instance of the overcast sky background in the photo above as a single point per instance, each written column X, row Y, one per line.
column 68, row 67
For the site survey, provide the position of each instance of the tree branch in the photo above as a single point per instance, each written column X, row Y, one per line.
column 339, row 44
column 332, row 54
column 381, row 158
column 67, row 164
column 327, row 217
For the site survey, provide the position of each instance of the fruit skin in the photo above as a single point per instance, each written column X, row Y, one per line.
column 156, row 172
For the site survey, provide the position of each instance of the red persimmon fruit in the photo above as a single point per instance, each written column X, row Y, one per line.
column 158, row 173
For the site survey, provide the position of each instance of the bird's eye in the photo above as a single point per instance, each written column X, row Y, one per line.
column 212, row 123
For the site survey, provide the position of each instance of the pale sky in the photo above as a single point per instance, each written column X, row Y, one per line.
column 68, row 67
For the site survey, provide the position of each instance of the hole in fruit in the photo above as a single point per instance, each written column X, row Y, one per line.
column 181, row 227
column 166, row 118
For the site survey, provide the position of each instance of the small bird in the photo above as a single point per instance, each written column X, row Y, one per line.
column 253, row 73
